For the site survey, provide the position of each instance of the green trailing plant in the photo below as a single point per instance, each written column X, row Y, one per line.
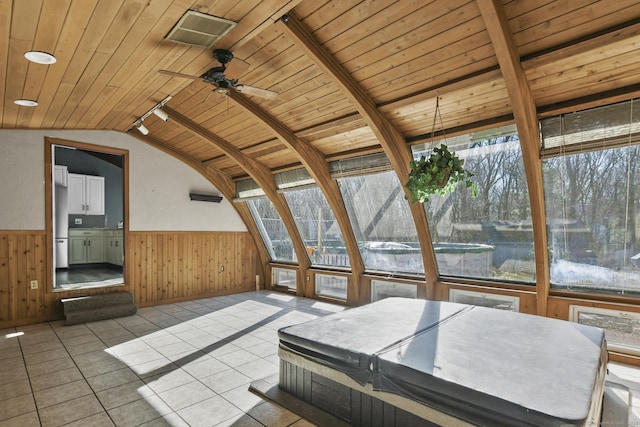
column 438, row 174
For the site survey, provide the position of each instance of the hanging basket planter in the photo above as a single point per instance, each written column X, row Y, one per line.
column 438, row 174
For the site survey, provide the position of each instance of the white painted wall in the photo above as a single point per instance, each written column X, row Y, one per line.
column 159, row 185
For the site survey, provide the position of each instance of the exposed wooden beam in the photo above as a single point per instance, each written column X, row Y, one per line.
column 524, row 111
column 262, row 175
column 224, row 184
column 316, row 164
column 391, row 140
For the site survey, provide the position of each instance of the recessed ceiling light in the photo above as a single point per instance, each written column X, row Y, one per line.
column 40, row 57
column 26, row 102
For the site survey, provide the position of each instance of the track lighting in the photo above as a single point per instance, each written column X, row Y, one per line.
column 143, row 129
column 161, row 113
column 157, row 110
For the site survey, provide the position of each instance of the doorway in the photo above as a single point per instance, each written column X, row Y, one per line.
column 88, row 207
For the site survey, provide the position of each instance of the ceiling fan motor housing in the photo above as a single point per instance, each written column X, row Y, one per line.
column 223, row 56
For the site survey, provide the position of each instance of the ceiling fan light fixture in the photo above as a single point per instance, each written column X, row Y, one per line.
column 39, row 57
column 26, row 102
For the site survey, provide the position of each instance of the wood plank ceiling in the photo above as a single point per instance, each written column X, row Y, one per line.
column 400, row 55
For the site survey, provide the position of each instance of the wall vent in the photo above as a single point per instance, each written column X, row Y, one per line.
column 199, row 29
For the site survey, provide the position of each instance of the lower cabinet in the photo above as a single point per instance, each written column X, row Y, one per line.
column 86, row 246
column 113, row 246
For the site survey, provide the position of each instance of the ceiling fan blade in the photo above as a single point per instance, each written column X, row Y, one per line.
column 236, row 68
column 256, row 91
column 174, row 74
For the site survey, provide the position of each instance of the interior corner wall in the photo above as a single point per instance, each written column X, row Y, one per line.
column 159, row 185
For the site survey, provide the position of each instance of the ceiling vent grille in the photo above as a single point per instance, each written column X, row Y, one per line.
column 199, row 29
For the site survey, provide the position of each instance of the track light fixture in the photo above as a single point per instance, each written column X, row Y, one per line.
column 143, row 129
column 157, row 110
column 161, row 113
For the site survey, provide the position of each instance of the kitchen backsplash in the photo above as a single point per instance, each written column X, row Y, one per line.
column 88, row 221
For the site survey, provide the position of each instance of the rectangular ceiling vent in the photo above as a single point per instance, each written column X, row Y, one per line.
column 199, row 29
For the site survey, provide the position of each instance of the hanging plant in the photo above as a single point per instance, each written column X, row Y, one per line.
column 438, row 174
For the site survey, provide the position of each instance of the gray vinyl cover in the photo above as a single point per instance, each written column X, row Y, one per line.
column 486, row 366
column 348, row 341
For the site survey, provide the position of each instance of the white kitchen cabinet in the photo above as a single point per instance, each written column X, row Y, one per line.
column 113, row 240
column 60, row 175
column 86, row 194
column 86, row 246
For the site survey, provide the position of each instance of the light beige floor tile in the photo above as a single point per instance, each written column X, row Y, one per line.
column 124, row 394
column 226, row 380
column 89, row 347
column 55, row 378
column 169, row 420
column 139, row 412
column 14, row 389
column 54, row 365
column 112, row 379
column 45, row 356
column 69, row 411
column 201, row 368
column 102, row 368
column 29, row 419
column 258, row 369
column 209, row 412
column 38, row 347
column 242, row 398
column 263, row 349
column 272, row 415
column 62, row 393
column 169, row 380
column 16, row 406
column 98, row 420
column 12, row 363
column 16, row 373
column 10, row 352
column 186, row 395
column 153, row 368
column 240, row 420
column 237, row 358
column 81, row 339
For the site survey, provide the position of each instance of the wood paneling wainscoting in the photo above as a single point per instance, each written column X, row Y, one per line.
column 163, row 267
column 23, row 259
column 160, row 267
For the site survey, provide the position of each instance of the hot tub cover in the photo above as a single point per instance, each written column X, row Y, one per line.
column 485, row 366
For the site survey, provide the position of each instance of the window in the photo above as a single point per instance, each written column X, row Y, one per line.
column 284, row 277
column 331, row 286
column 382, row 223
column 317, row 226
column 502, row 302
column 591, row 198
column 274, row 233
column 381, row 289
column 621, row 327
column 489, row 236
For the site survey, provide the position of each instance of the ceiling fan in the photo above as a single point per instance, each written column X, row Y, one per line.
column 226, row 76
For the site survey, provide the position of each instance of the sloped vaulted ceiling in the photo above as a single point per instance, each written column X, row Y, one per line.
column 371, row 84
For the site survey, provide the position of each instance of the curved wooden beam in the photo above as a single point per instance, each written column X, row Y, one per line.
column 314, row 161
column 391, row 140
column 262, row 175
column 224, row 184
column 525, row 114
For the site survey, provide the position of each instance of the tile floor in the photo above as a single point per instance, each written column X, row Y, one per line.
column 183, row 364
